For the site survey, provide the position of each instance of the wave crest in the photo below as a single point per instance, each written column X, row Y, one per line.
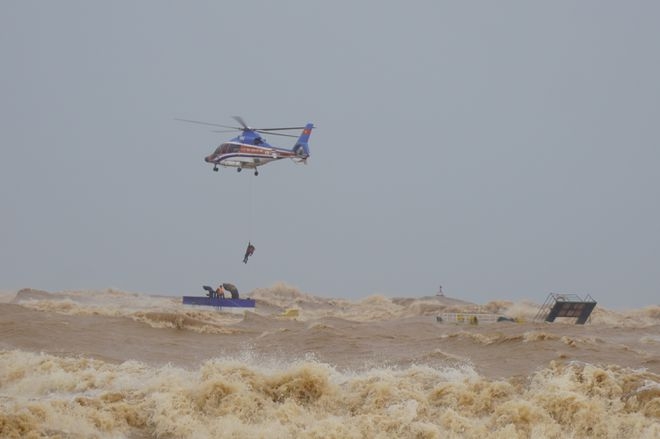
column 84, row 398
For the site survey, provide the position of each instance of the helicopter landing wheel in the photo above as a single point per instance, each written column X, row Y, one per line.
column 215, row 169
column 239, row 169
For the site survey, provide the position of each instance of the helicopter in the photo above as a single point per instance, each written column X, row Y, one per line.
column 250, row 150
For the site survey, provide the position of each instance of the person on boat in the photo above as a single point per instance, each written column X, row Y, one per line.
column 220, row 292
column 248, row 252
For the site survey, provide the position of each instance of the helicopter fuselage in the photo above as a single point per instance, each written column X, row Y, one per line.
column 242, row 155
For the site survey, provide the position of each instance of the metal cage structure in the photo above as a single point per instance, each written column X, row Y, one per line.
column 566, row 305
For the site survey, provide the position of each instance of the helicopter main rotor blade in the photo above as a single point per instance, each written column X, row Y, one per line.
column 275, row 134
column 240, row 120
column 243, row 127
column 208, row 123
column 281, row 129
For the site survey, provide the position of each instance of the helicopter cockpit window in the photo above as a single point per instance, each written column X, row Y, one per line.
column 224, row 148
column 227, row 148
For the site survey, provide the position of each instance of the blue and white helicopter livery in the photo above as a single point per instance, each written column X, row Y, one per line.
column 250, row 150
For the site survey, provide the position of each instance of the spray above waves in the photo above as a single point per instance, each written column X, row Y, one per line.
column 155, row 311
column 280, row 298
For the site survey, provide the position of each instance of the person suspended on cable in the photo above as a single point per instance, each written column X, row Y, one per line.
column 248, row 252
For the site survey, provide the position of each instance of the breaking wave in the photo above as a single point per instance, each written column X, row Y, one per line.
column 223, row 398
column 115, row 364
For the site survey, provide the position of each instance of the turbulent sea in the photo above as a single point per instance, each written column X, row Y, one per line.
column 115, row 364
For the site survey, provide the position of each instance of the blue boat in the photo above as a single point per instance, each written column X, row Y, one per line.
column 220, row 304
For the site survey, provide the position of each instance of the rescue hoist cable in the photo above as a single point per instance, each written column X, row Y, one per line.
column 250, row 220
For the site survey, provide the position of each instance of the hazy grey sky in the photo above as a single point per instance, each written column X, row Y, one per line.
column 503, row 150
